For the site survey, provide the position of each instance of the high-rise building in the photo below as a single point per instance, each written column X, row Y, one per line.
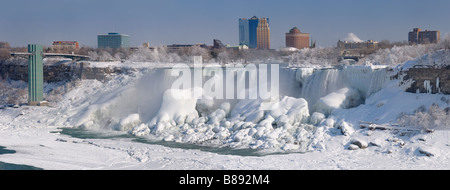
column 244, row 38
column 423, row 37
column 297, row 39
column 253, row 33
column 263, row 34
column 248, row 34
column 113, row 40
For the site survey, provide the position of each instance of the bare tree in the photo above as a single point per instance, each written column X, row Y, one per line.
column 5, row 54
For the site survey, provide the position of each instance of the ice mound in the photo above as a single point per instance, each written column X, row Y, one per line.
column 129, row 122
column 177, row 108
column 178, row 105
column 316, row 118
column 274, row 123
column 342, row 98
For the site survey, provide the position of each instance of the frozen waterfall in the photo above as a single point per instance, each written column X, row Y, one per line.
column 318, row 83
column 146, row 109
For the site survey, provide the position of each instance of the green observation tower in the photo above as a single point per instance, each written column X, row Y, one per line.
column 35, row 74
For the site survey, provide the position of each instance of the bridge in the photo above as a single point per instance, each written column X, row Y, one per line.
column 72, row 56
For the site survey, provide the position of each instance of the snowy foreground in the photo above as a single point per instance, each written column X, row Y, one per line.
column 319, row 131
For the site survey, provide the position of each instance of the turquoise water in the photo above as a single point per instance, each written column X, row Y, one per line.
column 90, row 134
column 9, row 166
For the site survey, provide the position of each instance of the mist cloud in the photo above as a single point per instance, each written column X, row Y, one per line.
column 351, row 37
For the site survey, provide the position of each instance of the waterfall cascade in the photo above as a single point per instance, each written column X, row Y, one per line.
column 145, row 108
column 318, row 83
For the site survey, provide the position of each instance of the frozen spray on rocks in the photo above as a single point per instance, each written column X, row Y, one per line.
column 233, row 114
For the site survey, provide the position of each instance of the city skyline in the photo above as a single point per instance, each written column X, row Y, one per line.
column 200, row 21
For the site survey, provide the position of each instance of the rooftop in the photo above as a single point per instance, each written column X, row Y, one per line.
column 294, row 30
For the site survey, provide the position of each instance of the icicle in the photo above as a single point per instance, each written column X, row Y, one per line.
column 437, row 85
column 427, row 86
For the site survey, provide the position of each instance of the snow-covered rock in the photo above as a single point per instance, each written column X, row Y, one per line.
column 345, row 128
column 428, row 151
column 353, row 147
column 360, row 143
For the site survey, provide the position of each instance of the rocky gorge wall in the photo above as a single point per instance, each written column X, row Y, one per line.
column 423, row 79
column 428, row 80
column 61, row 72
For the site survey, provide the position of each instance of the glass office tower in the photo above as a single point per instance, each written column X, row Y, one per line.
column 252, row 25
column 248, row 33
column 244, row 38
column 113, row 40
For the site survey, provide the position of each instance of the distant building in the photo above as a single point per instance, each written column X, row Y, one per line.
column 113, row 40
column 296, row 39
column 358, row 49
column 248, row 34
column 146, row 45
column 263, row 34
column 65, row 45
column 239, row 47
column 423, row 37
column 217, row 44
column 176, row 47
column 244, row 34
column 4, row 45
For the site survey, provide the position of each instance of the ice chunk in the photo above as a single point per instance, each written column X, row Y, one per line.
column 129, row 122
column 316, row 118
column 255, row 117
column 205, row 106
column 141, row 130
column 225, row 107
column 296, row 110
column 343, row 98
column 328, row 122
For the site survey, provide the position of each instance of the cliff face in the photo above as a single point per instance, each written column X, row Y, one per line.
column 429, row 80
column 61, row 72
column 425, row 79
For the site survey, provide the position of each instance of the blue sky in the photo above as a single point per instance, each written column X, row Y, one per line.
column 200, row 21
